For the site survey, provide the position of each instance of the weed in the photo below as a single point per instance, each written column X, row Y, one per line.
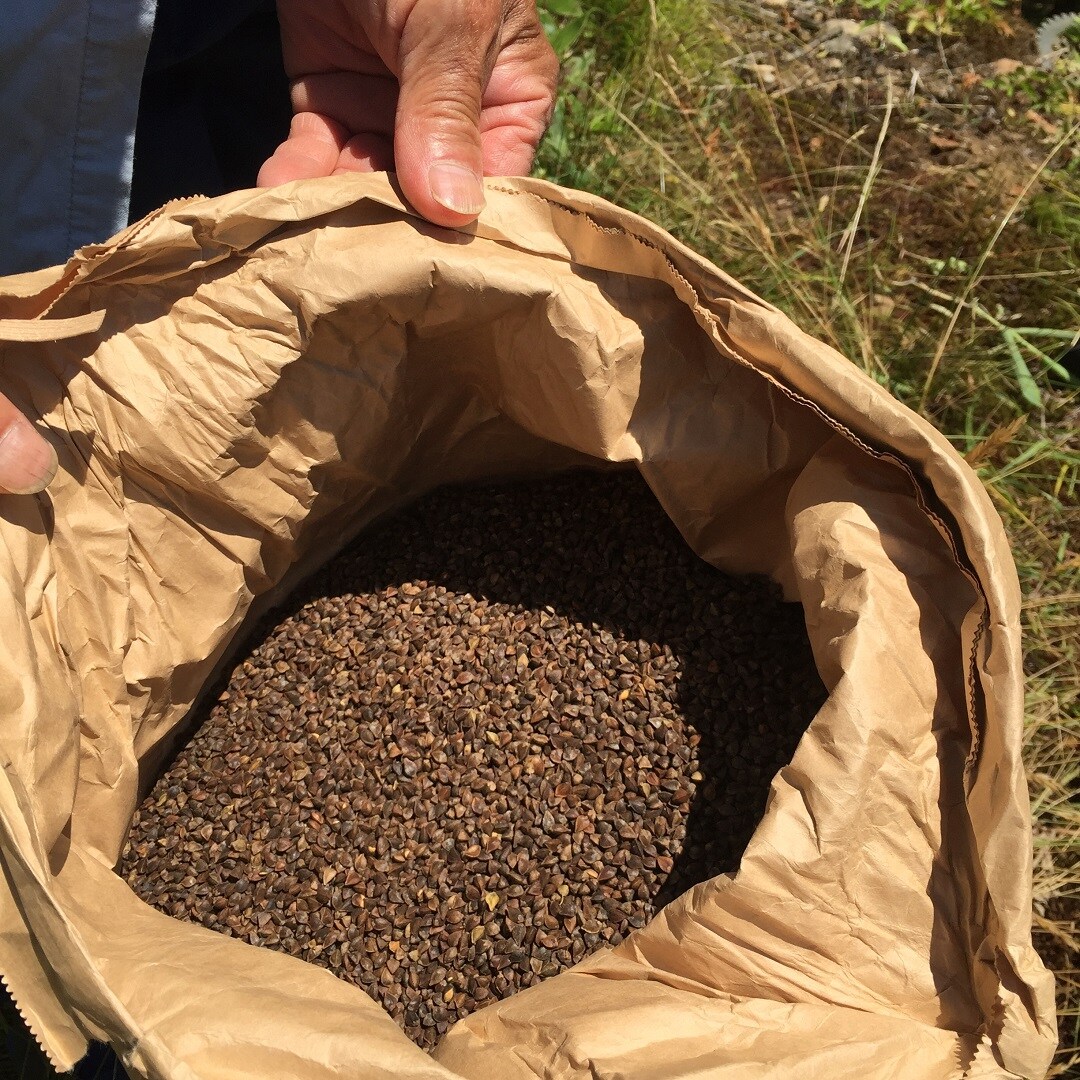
column 923, row 19
column 945, row 18
column 1051, row 92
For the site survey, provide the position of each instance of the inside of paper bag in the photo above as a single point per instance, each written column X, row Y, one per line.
column 221, row 465
column 496, row 734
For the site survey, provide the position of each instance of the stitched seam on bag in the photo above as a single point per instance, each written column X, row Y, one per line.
column 881, row 455
column 144, row 223
column 130, row 235
column 31, row 1027
column 971, row 674
column 942, row 527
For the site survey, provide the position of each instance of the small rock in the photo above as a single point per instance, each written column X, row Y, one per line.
column 881, row 34
column 765, row 73
column 942, row 88
column 882, row 306
column 1005, row 66
column 944, row 142
column 840, row 45
column 840, row 28
column 839, row 37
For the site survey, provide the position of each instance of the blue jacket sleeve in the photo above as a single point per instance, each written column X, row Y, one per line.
column 69, row 100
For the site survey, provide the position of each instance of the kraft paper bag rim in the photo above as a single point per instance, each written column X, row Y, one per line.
column 54, row 941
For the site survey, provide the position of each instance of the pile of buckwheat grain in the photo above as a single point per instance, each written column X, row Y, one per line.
column 494, row 735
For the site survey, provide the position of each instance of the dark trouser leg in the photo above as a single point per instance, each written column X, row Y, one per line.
column 214, row 102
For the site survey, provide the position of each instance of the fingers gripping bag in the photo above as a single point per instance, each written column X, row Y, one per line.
column 237, row 387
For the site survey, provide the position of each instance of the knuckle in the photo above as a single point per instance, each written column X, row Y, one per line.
column 448, row 113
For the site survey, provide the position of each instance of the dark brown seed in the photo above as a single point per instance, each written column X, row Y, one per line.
column 497, row 733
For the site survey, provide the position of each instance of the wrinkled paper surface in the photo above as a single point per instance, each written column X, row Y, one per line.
column 237, row 386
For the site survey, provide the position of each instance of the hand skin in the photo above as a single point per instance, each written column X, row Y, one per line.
column 448, row 91
column 27, row 461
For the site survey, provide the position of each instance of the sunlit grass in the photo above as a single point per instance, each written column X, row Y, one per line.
column 956, row 291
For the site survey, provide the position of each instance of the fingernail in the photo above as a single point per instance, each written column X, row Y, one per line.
column 27, row 462
column 457, row 188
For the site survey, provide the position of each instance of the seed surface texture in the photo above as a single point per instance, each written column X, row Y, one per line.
column 494, row 735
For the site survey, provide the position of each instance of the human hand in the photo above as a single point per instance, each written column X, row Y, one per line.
column 446, row 90
column 27, row 461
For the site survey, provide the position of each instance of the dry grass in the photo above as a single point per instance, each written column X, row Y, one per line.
column 957, row 287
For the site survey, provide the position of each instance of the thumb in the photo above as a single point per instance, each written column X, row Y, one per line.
column 437, row 148
column 27, row 461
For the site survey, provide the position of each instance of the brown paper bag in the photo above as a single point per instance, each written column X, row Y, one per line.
column 235, row 387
